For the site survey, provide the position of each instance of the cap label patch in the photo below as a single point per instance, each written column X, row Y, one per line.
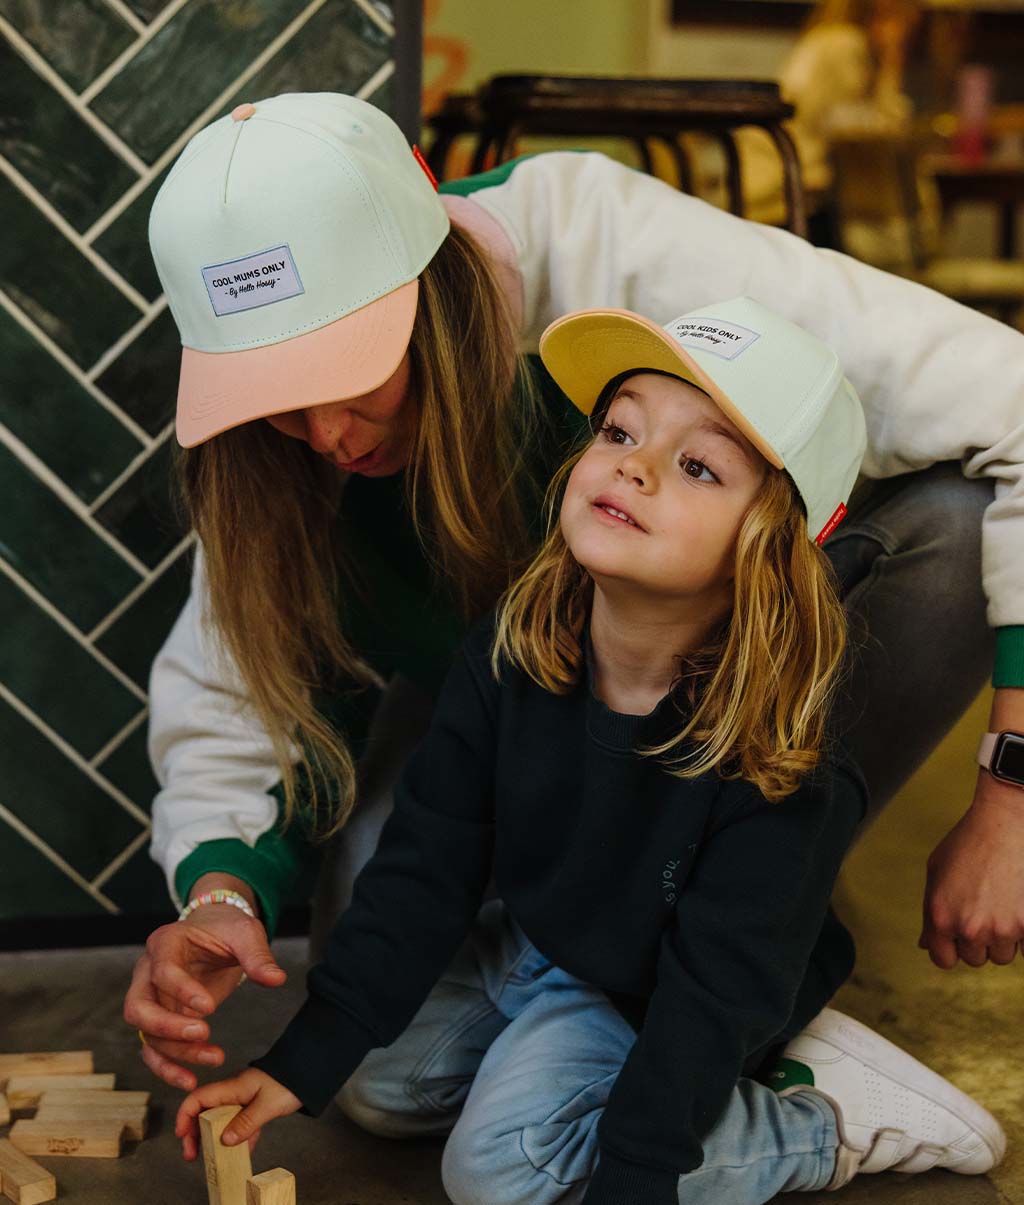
column 724, row 339
column 254, row 280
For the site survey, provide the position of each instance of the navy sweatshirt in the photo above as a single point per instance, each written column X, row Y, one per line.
column 699, row 908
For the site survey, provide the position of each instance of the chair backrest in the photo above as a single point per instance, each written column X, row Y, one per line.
column 876, row 185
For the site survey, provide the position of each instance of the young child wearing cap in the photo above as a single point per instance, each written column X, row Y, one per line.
column 638, row 746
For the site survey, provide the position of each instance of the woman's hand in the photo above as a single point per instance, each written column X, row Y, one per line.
column 263, row 1097
column 188, row 969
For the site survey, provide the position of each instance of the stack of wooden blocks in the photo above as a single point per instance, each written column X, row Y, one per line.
column 77, row 1112
column 229, row 1178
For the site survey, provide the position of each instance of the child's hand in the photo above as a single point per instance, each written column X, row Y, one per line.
column 263, row 1097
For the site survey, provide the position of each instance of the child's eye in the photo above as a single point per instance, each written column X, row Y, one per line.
column 615, row 435
column 696, row 469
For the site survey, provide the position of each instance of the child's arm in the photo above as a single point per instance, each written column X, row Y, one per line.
column 730, row 967
column 415, row 900
column 263, row 1099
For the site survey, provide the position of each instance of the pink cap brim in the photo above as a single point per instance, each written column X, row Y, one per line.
column 345, row 359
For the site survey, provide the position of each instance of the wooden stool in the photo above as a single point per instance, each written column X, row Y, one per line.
column 641, row 110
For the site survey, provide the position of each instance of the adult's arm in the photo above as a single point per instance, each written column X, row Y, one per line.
column 215, row 811
column 730, row 966
column 213, row 827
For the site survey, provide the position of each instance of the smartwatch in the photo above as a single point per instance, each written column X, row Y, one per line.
column 1002, row 754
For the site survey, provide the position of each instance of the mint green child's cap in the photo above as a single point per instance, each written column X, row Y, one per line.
column 289, row 237
column 779, row 384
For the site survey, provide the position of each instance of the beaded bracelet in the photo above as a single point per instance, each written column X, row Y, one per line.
column 220, row 896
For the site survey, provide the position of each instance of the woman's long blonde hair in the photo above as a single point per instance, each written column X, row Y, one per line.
column 264, row 506
column 754, row 701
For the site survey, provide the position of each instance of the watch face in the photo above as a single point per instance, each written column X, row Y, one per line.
column 1009, row 760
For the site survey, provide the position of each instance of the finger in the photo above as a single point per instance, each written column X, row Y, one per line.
column 246, row 1126
column 253, row 1139
column 942, row 950
column 172, row 980
column 198, row 1053
column 1002, row 951
column 232, row 1091
column 255, row 958
column 168, row 1071
column 974, row 953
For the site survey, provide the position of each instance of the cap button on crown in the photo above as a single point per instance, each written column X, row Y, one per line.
column 242, row 112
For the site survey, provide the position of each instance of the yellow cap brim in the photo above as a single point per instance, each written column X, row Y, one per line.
column 585, row 350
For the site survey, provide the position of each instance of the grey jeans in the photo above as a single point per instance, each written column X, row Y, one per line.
column 908, row 558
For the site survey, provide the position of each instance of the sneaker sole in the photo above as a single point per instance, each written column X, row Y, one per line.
column 890, row 1061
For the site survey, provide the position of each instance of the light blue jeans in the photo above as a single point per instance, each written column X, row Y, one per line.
column 514, row 1059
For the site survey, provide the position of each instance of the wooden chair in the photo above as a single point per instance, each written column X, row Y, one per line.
column 643, row 111
column 878, row 182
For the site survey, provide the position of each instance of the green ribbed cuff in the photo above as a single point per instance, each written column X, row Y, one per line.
column 271, row 867
column 1009, row 666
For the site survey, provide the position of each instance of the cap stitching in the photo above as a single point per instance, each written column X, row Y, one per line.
column 346, row 165
column 231, row 159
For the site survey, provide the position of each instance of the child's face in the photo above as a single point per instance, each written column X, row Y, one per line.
column 668, row 458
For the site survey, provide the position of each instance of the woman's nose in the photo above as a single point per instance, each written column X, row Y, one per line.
column 329, row 428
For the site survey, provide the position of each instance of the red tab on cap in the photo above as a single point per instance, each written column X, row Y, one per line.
column 418, row 154
column 838, row 515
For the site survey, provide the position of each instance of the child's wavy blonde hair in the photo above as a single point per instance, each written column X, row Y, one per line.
column 758, row 693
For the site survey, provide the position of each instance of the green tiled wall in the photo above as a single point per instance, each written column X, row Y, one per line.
column 97, row 97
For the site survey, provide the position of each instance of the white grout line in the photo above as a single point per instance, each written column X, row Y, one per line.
column 169, row 155
column 54, row 857
column 130, row 468
column 141, row 588
column 72, row 235
column 129, row 851
column 376, row 18
column 148, row 33
column 126, row 14
column 379, row 77
column 118, row 739
column 72, row 369
column 37, row 722
column 44, row 604
column 129, row 337
column 36, row 61
column 70, row 499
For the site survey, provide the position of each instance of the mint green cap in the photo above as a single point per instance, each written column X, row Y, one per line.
column 779, row 384
column 288, row 238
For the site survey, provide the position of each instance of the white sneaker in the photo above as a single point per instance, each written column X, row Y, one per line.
column 893, row 1113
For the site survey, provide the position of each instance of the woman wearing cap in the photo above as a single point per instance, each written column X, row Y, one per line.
column 336, row 314
column 639, row 744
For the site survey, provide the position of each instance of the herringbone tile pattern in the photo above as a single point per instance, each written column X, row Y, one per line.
column 97, row 99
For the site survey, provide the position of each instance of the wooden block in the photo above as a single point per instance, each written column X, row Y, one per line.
column 228, row 1168
column 46, row 1062
column 5, row 1111
column 22, row 1180
column 24, row 1091
column 90, row 1139
column 275, row 1187
column 133, row 1118
column 94, row 1096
